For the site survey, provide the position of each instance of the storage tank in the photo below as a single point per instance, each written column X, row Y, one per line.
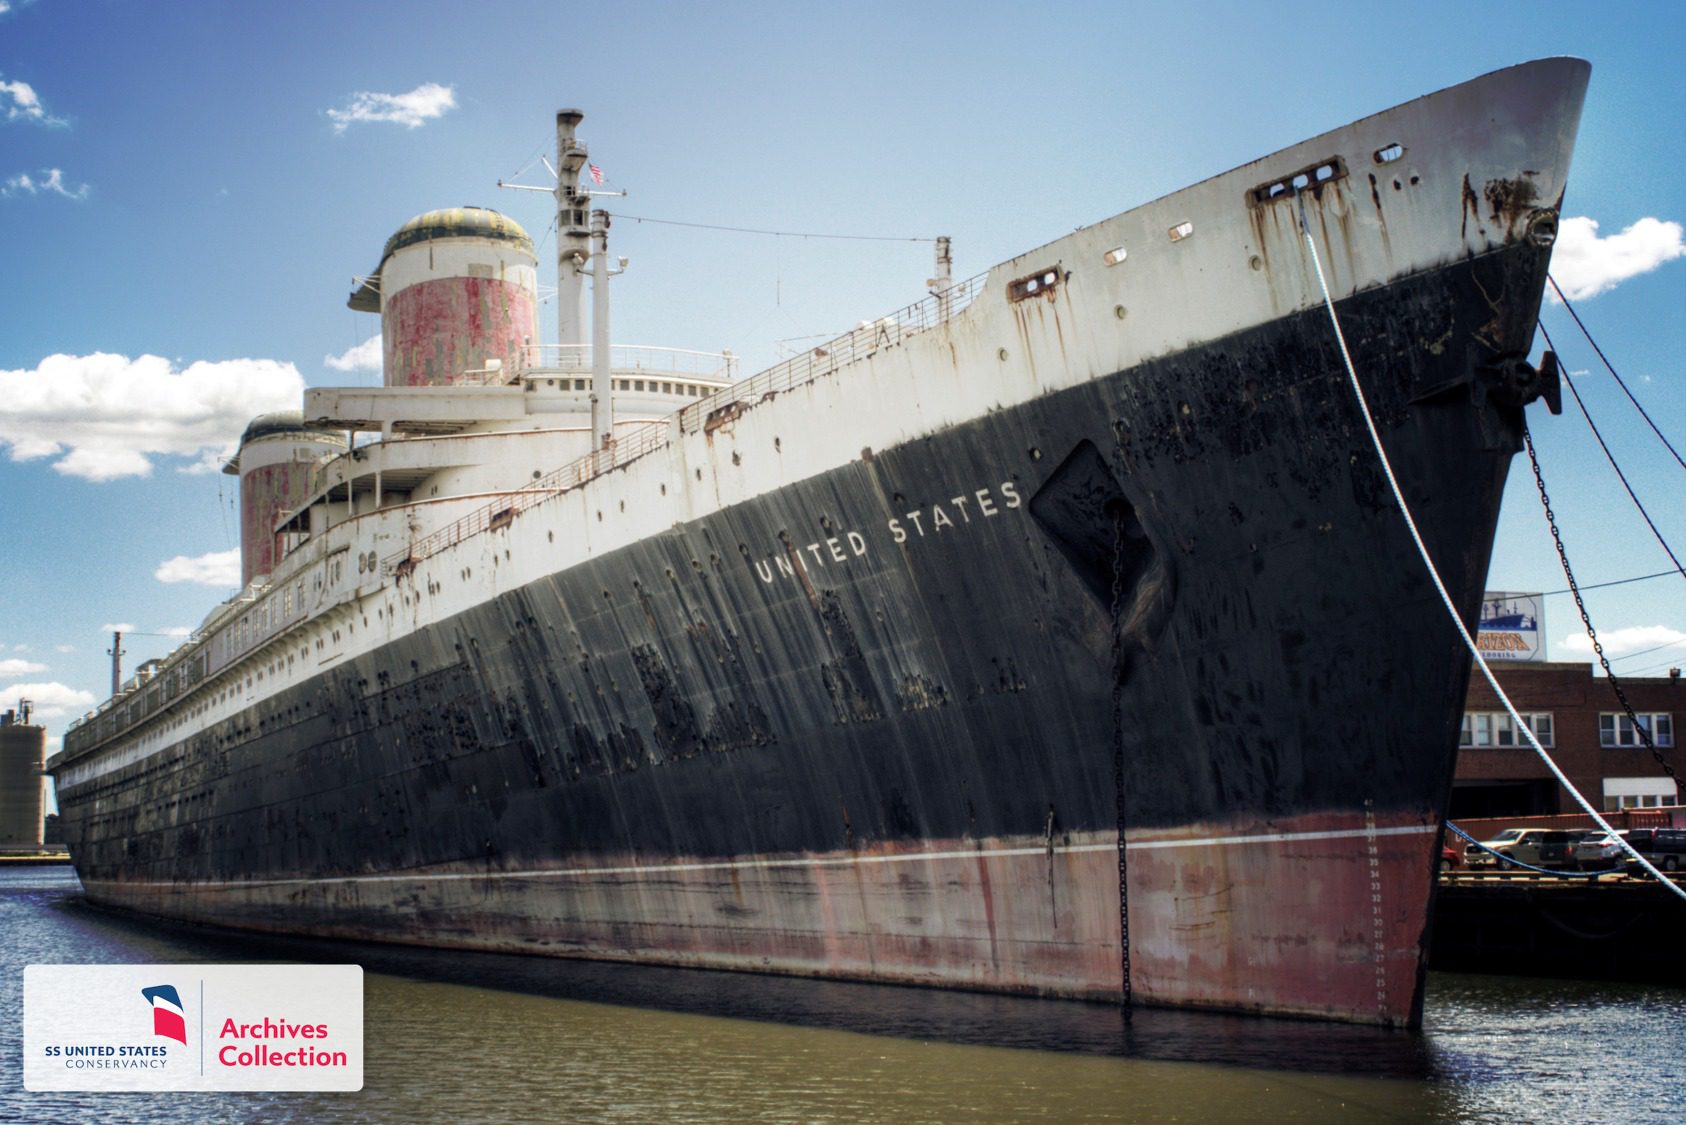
column 276, row 454
column 455, row 289
column 23, row 795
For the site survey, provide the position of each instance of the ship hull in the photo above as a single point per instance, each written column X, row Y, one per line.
column 888, row 722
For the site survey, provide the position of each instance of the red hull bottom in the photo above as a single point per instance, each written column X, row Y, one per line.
column 1321, row 916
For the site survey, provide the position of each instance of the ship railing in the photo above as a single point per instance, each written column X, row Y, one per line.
column 629, row 358
column 627, row 447
column 861, row 342
column 865, row 340
column 174, row 671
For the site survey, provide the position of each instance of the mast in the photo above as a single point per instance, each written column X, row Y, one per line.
column 116, row 653
column 582, row 234
column 573, row 235
column 944, row 281
column 602, row 389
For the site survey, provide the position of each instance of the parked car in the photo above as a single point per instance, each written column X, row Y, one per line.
column 1665, row 847
column 1537, row 847
column 1450, row 857
column 1599, row 851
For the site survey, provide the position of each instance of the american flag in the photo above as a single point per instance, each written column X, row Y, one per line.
column 596, row 173
column 168, row 1015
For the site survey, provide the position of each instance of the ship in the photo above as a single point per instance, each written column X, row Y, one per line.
column 1056, row 635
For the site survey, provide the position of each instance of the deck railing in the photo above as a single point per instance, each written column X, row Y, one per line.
column 869, row 338
column 682, row 362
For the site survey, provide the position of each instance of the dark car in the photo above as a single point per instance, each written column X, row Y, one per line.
column 1664, row 847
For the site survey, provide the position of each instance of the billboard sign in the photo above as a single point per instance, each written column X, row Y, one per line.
column 1512, row 626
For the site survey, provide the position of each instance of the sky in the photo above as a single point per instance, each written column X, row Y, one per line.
column 187, row 190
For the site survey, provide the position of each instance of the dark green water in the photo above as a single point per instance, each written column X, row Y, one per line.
column 480, row 1038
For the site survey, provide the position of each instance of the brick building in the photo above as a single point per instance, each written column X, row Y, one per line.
column 1580, row 722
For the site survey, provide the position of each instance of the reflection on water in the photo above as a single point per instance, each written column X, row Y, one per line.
column 480, row 1037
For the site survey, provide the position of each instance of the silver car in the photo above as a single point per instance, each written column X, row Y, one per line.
column 1599, row 852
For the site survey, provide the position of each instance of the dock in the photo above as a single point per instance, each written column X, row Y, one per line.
column 33, row 859
column 1615, row 927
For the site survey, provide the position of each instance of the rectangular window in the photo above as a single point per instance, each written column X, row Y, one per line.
column 667, row 388
column 638, row 384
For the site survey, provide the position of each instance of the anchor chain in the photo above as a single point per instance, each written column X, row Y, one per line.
column 1586, row 620
column 1118, row 522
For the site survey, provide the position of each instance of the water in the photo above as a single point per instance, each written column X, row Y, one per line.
column 484, row 1038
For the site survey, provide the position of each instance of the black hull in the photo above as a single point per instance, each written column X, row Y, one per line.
column 822, row 673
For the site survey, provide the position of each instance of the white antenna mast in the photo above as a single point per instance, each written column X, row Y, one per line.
column 573, row 230
column 577, row 226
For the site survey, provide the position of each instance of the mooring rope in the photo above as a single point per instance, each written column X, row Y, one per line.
column 1434, row 573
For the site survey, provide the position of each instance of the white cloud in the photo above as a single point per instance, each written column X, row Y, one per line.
column 423, row 103
column 65, row 648
column 121, row 627
column 361, row 357
column 20, row 102
column 25, row 184
column 1585, row 265
column 51, row 700
column 20, row 667
column 219, row 568
column 1631, row 639
column 107, row 416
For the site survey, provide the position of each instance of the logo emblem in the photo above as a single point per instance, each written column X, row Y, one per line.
column 169, row 1018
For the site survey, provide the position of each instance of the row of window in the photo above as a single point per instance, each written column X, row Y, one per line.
column 1619, row 730
column 1638, row 793
column 1495, row 728
column 652, row 386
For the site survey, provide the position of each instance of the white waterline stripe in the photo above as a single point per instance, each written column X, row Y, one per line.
column 837, row 861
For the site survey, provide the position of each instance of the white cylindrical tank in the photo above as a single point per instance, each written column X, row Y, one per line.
column 276, row 454
column 455, row 289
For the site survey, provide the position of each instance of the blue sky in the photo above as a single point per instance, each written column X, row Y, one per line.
column 187, row 190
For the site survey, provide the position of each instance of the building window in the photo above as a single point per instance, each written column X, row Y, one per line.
column 1637, row 792
column 1495, row 728
column 1619, row 730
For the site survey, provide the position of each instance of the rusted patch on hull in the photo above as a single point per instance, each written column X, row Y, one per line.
column 722, row 417
column 1315, row 916
column 1510, row 202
